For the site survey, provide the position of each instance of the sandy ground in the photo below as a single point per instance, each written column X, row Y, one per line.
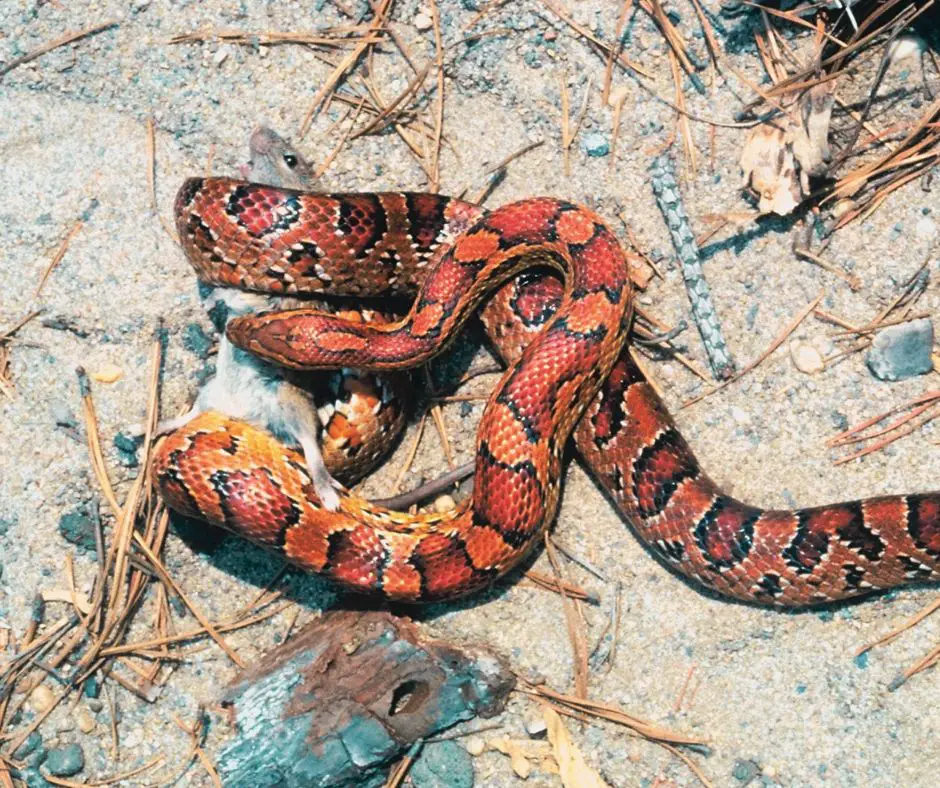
column 781, row 690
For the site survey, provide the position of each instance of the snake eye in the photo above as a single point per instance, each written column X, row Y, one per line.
column 290, row 160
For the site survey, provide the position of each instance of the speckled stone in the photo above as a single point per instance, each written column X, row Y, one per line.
column 65, row 761
column 443, row 764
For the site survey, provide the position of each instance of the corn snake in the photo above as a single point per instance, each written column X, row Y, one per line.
column 565, row 348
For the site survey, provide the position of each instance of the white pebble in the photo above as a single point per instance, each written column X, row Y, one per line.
column 843, row 206
column 475, row 746
column 84, row 719
column 423, row 21
column 444, row 503
column 219, row 57
column 806, row 358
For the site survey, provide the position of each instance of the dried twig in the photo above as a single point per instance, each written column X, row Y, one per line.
column 59, row 254
column 68, row 38
column 435, row 179
column 347, row 63
column 569, row 131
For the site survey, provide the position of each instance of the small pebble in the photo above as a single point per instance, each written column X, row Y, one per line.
column 617, row 95
column 92, row 688
column 219, row 57
column 84, row 719
column 595, row 144
column 107, row 373
column 902, row 351
column 843, row 206
column 475, row 746
column 535, row 726
column 423, row 21
column 745, row 771
column 806, row 358
column 65, row 725
column 42, row 698
column 65, row 761
column 444, row 503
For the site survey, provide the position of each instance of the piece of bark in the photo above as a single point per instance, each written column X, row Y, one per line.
column 346, row 695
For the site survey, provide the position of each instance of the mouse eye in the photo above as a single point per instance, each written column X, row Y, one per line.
column 290, row 160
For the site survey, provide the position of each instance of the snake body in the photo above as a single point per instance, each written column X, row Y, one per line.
column 563, row 340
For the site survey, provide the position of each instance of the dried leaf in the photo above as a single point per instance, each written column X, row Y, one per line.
column 779, row 156
column 811, row 134
column 76, row 598
column 769, row 169
column 517, row 757
column 574, row 771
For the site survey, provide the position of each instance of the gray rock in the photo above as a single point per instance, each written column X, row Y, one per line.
column 902, row 351
column 443, row 764
column 745, row 771
column 65, row 761
column 595, row 144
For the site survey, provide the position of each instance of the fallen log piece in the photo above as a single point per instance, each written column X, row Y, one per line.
column 339, row 701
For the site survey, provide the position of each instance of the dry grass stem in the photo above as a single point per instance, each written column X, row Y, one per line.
column 152, row 163
column 59, row 254
column 615, row 49
column 437, row 414
column 606, row 711
column 682, row 120
column 412, row 452
column 6, row 338
column 603, row 48
column 196, row 733
column 332, row 37
column 68, row 38
column 781, row 338
column 850, row 279
column 670, row 33
column 435, row 180
column 172, row 584
column 151, row 764
column 574, row 620
column 568, row 130
column 559, row 586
